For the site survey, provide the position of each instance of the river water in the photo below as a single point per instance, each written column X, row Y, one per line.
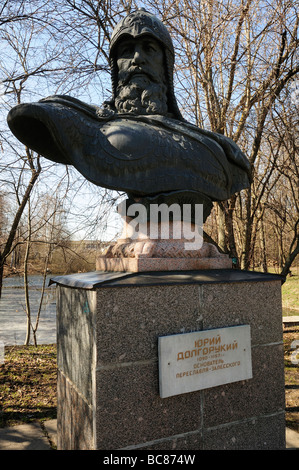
column 13, row 321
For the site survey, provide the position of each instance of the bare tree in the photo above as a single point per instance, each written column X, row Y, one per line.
column 45, row 228
column 46, row 48
column 235, row 62
column 238, row 58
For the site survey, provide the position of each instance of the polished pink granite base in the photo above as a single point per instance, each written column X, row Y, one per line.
column 162, row 264
column 169, row 251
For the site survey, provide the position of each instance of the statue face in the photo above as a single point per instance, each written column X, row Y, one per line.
column 141, row 87
column 139, row 57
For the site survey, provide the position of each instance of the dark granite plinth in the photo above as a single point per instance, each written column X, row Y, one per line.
column 108, row 382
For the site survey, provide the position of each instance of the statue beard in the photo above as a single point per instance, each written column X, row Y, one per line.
column 139, row 94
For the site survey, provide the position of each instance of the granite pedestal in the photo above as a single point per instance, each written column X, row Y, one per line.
column 108, row 326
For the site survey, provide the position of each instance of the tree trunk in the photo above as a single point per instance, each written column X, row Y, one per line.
column 293, row 252
column 263, row 254
column 26, row 286
column 221, row 227
column 27, row 300
column 34, row 330
column 12, row 233
column 229, row 224
column 246, row 251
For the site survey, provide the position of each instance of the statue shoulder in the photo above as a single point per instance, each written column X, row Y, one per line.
column 71, row 102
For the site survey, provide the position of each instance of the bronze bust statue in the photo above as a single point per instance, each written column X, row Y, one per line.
column 138, row 142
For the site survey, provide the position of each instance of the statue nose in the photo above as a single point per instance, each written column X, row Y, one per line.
column 138, row 57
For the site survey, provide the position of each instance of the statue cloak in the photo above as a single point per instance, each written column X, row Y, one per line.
column 140, row 155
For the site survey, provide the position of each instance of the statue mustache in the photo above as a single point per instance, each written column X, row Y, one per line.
column 125, row 77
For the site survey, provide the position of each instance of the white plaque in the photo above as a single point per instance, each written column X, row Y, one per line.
column 204, row 359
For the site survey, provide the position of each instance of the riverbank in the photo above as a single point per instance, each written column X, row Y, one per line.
column 28, row 383
column 13, row 319
column 28, row 376
column 13, row 312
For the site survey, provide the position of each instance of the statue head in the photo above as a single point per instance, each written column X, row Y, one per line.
column 142, row 30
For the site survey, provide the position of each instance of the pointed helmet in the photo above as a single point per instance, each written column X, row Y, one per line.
column 140, row 23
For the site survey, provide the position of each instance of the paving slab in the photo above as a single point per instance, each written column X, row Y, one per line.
column 34, row 436
column 24, row 437
column 291, row 320
column 50, row 428
column 292, row 439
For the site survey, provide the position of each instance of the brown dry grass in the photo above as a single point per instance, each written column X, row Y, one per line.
column 28, row 383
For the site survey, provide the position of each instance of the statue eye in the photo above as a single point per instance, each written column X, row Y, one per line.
column 150, row 47
column 125, row 50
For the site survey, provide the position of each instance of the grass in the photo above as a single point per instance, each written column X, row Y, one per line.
column 28, row 383
column 290, row 289
column 290, row 293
